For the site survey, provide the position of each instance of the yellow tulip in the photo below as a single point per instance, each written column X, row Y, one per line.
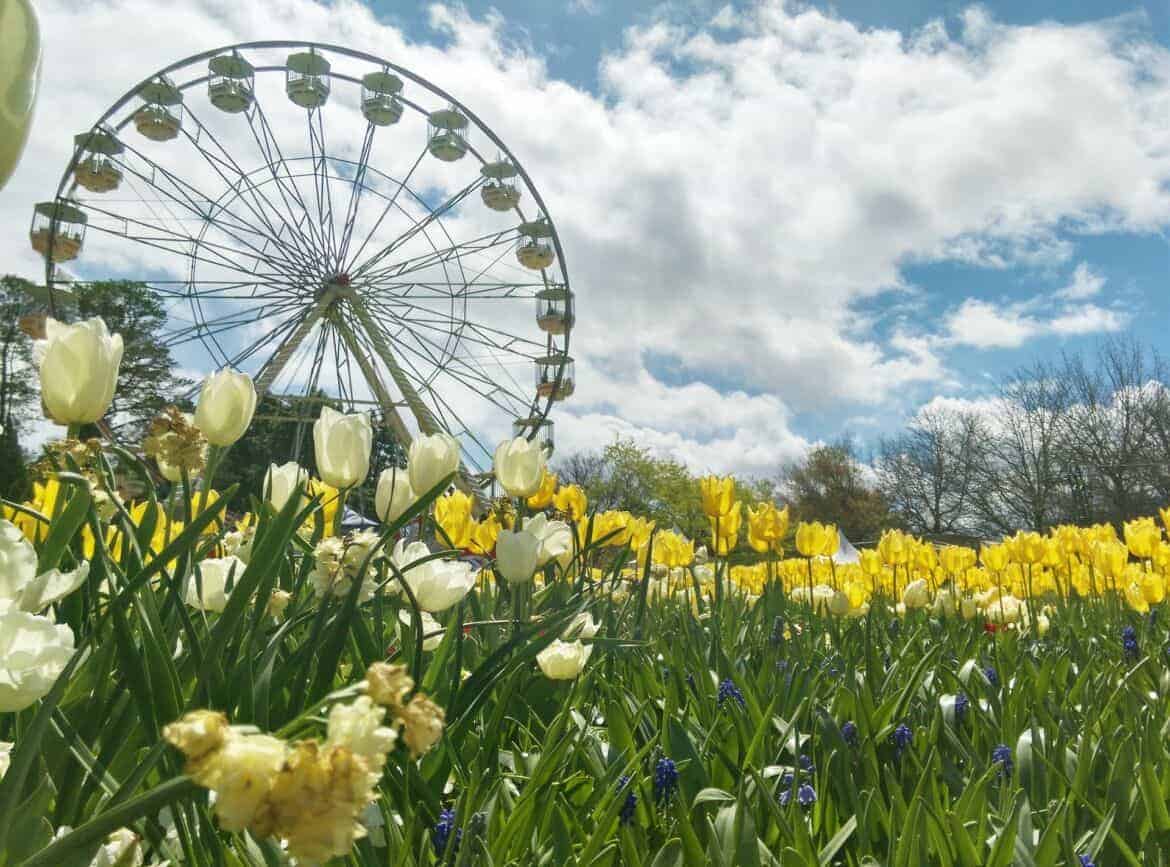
column 1026, row 547
column 871, row 562
column 1110, row 558
column 453, row 515
column 543, row 497
column 994, row 557
column 1142, row 536
column 718, row 495
column 484, row 535
column 725, row 529
column 894, row 548
column 572, row 501
column 811, row 538
column 1165, row 516
column 329, row 499
column 767, row 527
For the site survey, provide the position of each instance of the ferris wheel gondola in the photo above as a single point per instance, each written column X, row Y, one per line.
column 272, row 200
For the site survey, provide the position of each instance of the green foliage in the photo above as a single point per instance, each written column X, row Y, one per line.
column 829, row 485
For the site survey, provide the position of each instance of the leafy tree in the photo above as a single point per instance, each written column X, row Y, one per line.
column 18, row 390
column 830, row 484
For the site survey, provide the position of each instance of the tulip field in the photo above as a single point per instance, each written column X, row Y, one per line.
column 530, row 681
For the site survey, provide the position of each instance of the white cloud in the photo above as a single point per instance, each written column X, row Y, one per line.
column 1086, row 283
column 734, row 191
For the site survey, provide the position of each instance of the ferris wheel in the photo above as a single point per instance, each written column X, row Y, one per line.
column 335, row 225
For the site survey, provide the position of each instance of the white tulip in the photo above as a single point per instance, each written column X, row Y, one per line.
column 33, row 653
column 20, row 585
column 227, row 402
column 563, row 660
column 342, row 444
column 581, row 626
column 214, row 574
column 431, row 459
column 282, row 481
column 122, row 848
column 916, row 594
column 5, row 756
column 79, row 369
column 519, row 466
column 436, row 584
column 431, row 628
column 393, row 495
column 556, row 539
column 517, row 555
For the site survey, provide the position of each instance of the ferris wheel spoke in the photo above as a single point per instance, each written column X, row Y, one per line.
column 419, row 226
column 222, row 324
column 201, row 205
column 173, row 243
column 355, row 193
column 298, row 247
column 495, row 339
column 390, row 203
column 434, row 355
column 442, row 255
column 290, row 191
column 321, row 187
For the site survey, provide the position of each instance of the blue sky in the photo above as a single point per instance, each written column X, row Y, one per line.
column 783, row 222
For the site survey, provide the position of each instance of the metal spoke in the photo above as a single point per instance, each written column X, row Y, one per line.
column 419, row 226
column 385, row 211
column 355, row 193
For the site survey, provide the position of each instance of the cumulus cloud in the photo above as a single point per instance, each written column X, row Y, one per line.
column 736, row 188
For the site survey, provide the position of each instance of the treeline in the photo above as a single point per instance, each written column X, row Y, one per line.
column 1082, row 439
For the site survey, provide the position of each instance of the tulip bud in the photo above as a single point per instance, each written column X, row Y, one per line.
column 563, row 660
column 519, row 465
column 516, row 556
column 916, row 594
column 282, row 481
column 211, row 594
column 432, row 459
column 342, row 444
column 79, row 370
column 227, row 402
column 393, row 495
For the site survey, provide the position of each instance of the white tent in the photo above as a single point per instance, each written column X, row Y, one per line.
column 846, row 553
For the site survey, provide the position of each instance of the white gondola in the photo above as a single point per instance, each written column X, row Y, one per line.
column 95, row 170
column 161, row 118
column 231, row 83
column 447, row 134
column 500, row 192
column 544, row 433
column 546, row 377
column 554, row 309
column 306, row 79
column 57, row 230
column 380, row 103
column 533, row 250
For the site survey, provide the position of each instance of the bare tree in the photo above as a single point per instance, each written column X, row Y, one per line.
column 930, row 472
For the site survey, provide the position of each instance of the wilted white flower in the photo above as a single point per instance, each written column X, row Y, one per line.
column 581, row 626
column 358, row 726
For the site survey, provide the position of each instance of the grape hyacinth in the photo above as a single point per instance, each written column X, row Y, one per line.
column 728, row 689
column 962, row 705
column 806, row 765
column 1129, row 643
column 992, row 675
column 1002, row 756
column 849, row 732
column 441, row 835
column 1086, row 860
column 626, row 815
column 784, row 795
column 806, row 795
column 901, row 737
column 665, row 780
